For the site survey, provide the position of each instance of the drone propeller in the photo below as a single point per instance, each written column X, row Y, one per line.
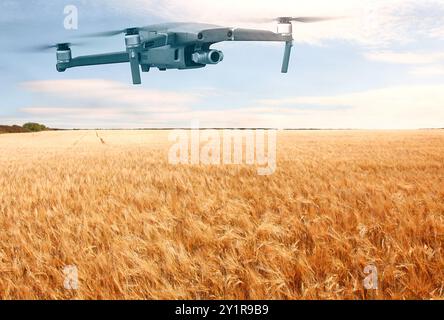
column 111, row 33
column 293, row 19
column 306, row 19
column 58, row 46
column 135, row 30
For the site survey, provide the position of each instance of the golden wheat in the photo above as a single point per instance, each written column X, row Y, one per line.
column 137, row 227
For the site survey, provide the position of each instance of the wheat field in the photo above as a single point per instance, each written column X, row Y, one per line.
column 137, row 227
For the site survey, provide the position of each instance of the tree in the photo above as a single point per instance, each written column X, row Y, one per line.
column 34, row 127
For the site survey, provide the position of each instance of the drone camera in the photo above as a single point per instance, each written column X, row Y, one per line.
column 208, row 57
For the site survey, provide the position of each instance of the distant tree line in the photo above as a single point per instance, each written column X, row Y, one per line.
column 27, row 127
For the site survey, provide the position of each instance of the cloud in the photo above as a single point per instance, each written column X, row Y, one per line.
column 85, row 102
column 99, row 92
column 406, row 57
column 428, row 71
column 400, row 98
column 402, row 107
column 371, row 22
column 81, row 113
column 426, row 64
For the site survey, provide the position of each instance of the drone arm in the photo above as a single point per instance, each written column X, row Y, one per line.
column 91, row 60
column 237, row 34
column 258, row 35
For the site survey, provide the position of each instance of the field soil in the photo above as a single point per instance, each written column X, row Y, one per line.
column 135, row 226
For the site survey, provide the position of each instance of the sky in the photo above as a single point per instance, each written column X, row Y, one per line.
column 380, row 67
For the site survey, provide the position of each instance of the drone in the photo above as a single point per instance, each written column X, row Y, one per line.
column 178, row 45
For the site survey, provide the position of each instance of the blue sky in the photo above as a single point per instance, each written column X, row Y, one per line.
column 380, row 68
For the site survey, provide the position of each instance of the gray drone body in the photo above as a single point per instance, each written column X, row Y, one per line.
column 175, row 46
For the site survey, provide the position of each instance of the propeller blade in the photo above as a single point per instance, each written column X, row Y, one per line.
column 258, row 20
column 292, row 19
column 311, row 19
column 149, row 28
column 46, row 47
column 112, row 33
column 104, row 34
column 163, row 26
column 43, row 47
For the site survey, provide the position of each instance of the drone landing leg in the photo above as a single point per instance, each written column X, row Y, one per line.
column 287, row 55
column 135, row 67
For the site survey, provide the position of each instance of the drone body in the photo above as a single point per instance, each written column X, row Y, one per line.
column 177, row 46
